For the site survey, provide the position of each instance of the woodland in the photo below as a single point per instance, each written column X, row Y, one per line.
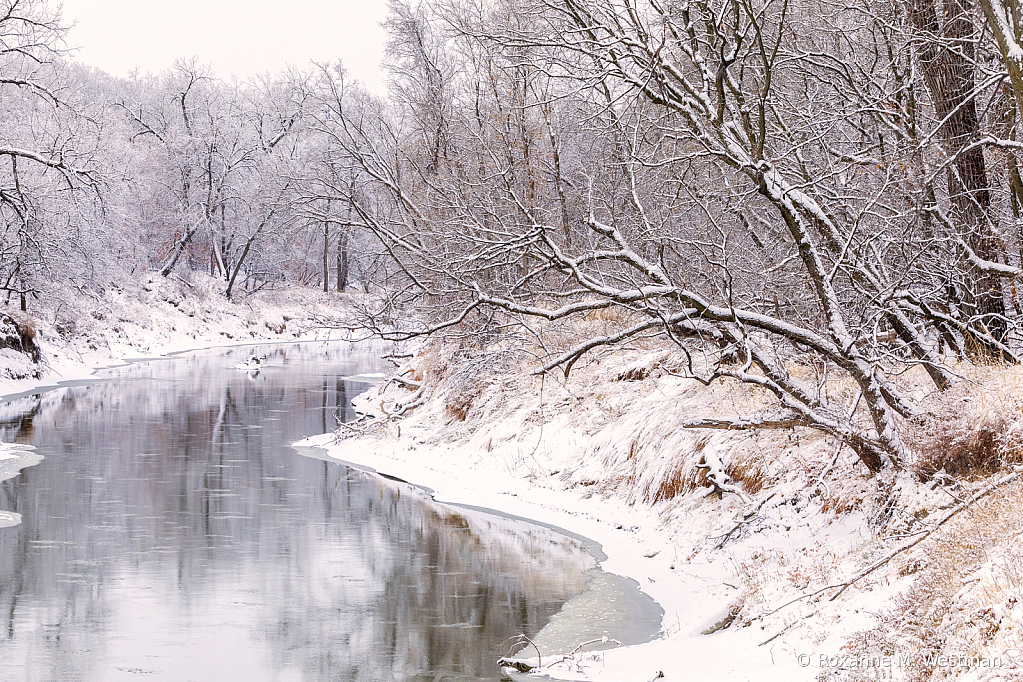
column 792, row 193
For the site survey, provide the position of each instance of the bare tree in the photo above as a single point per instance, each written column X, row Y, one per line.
column 46, row 149
column 752, row 180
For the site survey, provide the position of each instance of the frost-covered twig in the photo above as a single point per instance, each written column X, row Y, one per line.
column 842, row 587
column 747, row 517
column 520, row 665
column 571, row 654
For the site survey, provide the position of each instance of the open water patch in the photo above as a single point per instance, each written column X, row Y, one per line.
column 610, row 611
column 163, row 534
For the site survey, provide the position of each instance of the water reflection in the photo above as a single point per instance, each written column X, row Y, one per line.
column 170, row 532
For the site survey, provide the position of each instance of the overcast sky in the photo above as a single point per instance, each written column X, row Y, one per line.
column 237, row 37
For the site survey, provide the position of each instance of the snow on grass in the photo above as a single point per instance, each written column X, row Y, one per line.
column 745, row 577
column 744, row 570
column 79, row 332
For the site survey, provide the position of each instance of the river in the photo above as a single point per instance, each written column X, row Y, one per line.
column 170, row 533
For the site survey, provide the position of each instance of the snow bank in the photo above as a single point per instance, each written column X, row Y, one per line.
column 80, row 331
column 742, row 537
column 14, row 458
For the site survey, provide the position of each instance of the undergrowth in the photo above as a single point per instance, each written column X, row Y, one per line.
column 969, row 432
column 965, row 598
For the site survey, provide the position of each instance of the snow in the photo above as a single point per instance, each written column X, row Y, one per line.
column 13, row 458
column 694, row 593
column 594, row 457
column 602, row 456
column 253, row 364
column 157, row 317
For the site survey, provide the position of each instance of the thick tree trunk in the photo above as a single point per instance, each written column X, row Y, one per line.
column 946, row 51
column 178, row 250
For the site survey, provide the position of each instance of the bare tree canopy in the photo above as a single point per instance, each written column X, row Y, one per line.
column 784, row 189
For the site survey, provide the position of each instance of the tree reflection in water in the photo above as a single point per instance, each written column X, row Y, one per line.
column 170, row 531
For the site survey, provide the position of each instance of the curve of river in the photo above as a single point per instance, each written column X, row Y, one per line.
column 168, row 531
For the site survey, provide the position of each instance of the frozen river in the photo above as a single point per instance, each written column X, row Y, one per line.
column 171, row 533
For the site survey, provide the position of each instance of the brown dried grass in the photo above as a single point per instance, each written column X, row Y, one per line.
column 973, row 430
column 681, row 476
column 935, row 615
column 747, row 471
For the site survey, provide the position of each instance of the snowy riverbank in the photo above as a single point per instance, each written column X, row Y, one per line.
column 745, row 581
column 80, row 332
column 751, row 582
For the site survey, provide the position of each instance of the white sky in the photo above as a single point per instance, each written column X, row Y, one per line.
column 237, row 37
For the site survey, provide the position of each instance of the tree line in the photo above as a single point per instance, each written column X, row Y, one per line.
column 102, row 177
column 796, row 194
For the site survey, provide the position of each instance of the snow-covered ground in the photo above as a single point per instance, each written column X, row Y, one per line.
column 743, row 580
column 79, row 332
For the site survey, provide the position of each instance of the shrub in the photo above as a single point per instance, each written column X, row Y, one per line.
column 970, row 436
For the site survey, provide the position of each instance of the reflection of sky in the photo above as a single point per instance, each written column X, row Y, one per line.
column 171, row 532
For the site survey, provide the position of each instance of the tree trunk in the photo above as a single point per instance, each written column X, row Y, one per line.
column 178, row 250
column 342, row 260
column 946, row 53
column 326, row 257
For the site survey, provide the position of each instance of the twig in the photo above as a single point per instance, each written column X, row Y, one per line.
column 572, row 653
column 521, row 666
column 842, row 587
column 780, row 633
column 966, row 505
column 747, row 518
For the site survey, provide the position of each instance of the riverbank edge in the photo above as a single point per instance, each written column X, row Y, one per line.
column 631, row 538
column 745, row 579
column 156, row 317
column 694, row 599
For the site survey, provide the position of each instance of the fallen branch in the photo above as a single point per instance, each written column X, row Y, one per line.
column 779, row 633
column 407, row 383
column 415, row 400
column 747, row 517
column 517, row 663
column 745, row 424
column 842, row 587
column 571, row 654
column 719, row 479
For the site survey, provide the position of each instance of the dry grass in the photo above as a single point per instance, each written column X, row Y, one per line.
column 18, row 333
column 432, row 363
column 684, row 475
column 972, row 431
column 952, row 608
column 610, row 314
column 747, row 470
column 464, row 388
column 681, row 476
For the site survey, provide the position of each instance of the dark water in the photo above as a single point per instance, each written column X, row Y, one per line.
column 170, row 533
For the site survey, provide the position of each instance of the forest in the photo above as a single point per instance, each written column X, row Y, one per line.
column 793, row 193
